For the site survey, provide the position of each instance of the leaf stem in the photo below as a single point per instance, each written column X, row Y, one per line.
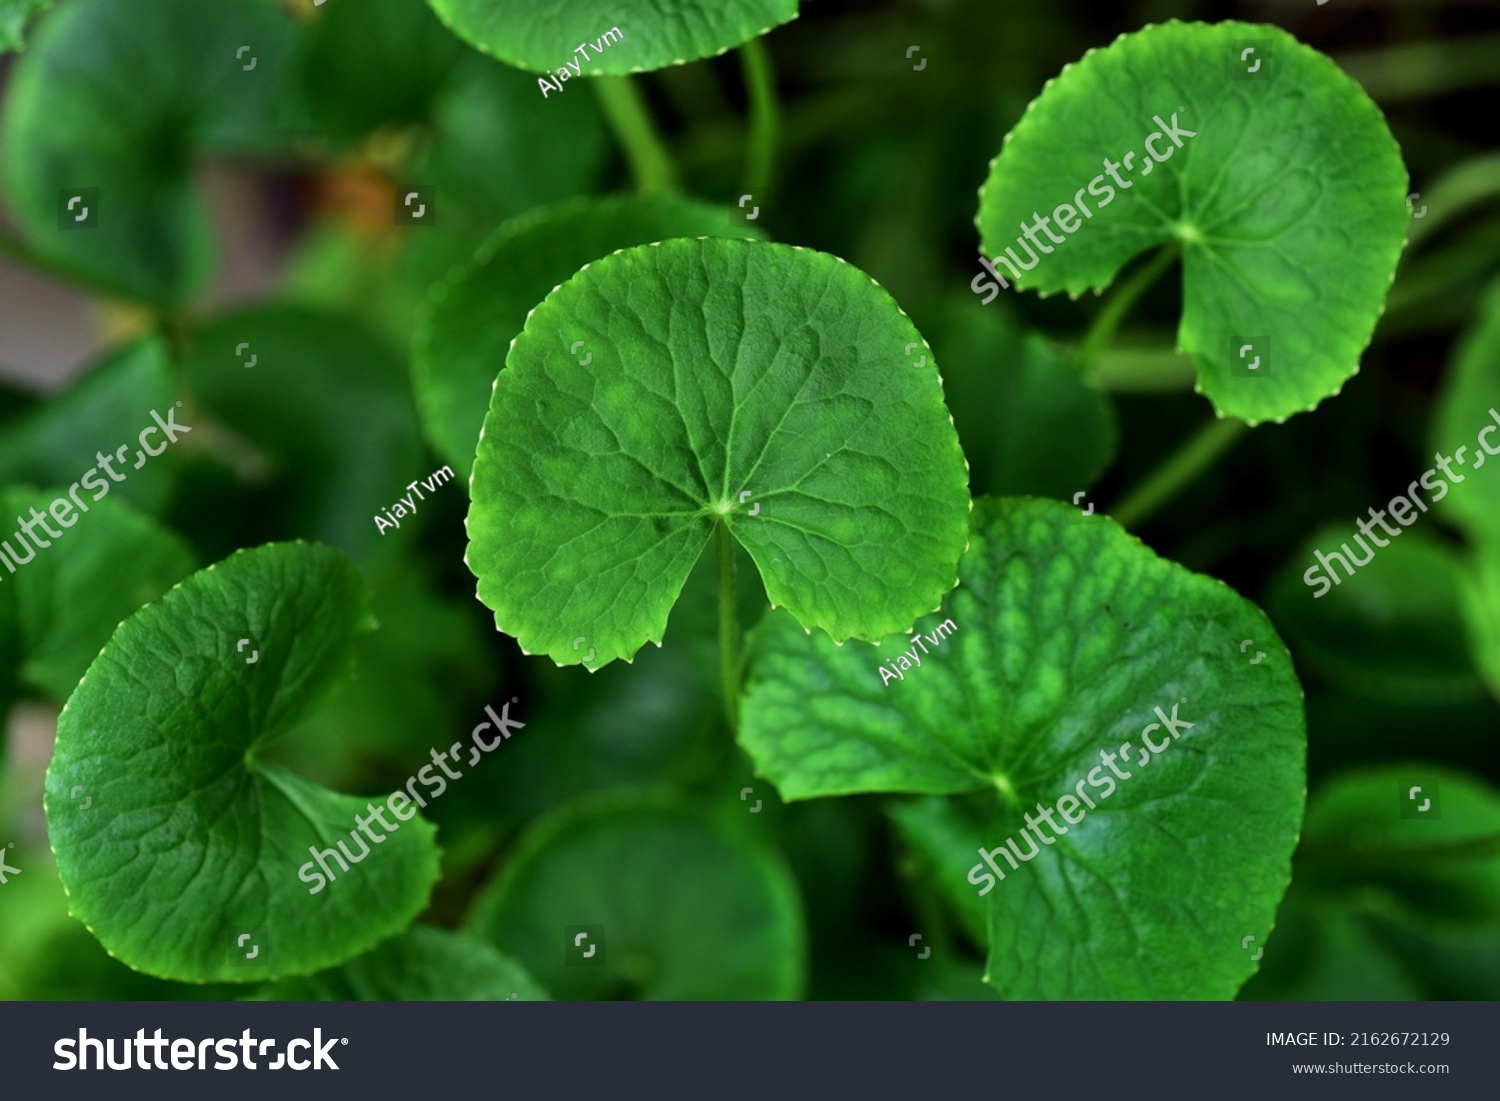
column 1185, row 464
column 729, row 627
column 765, row 115
column 625, row 109
column 1133, row 370
column 1103, row 329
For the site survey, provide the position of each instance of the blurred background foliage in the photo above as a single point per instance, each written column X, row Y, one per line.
column 271, row 214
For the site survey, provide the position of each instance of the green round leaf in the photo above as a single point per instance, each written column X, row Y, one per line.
column 1062, row 640
column 115, row 102
column 473, row 315
column 422, row 965
column 327, row 404
column 668, row 388
column 1289, row 202
column 1467, row 416
column 68, row 599
column 679, row 909
column 174, row 836
column 650, row 35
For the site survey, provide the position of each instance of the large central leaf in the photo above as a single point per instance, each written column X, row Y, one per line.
column 1061, row 643
column 1277, row 176
column 670, row 387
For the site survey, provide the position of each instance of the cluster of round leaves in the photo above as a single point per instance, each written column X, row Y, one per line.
column 673, row 384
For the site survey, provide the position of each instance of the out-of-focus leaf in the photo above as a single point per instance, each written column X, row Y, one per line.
column 58, row 443
column 422, row 671
column 113, row 104
column 1419, row 836
column 373, row 63
column 66, row 601
column 672, row 906
column 1394, row 630
column 1468, row 417
column 14, row 15
column 1325, row 952
column 422, row 965
column 497, row 151
column 46, row 955
column 1028, row 422
column 947, row 832
column 328, row 404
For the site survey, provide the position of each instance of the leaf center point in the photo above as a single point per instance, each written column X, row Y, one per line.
column 1004, row 787
column 1187, row 233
